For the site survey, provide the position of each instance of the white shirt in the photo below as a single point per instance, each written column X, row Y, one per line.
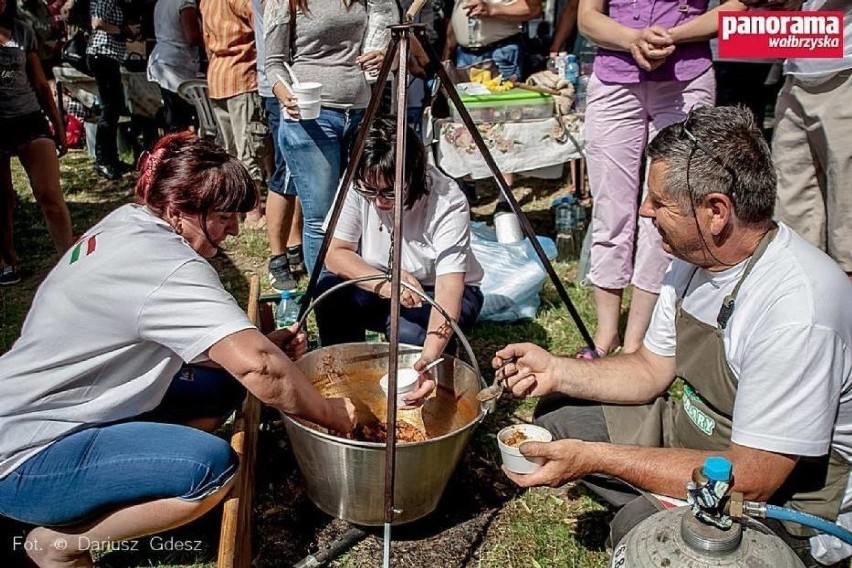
column 788, row 342
column 108, row 329
column 816, row 68
column 436, row 232
column 491, row 30
column 172, row 60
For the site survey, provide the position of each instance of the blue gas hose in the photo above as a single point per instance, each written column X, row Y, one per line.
column 808, row 520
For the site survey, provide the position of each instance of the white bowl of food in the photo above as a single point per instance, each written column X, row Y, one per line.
column 510, row 439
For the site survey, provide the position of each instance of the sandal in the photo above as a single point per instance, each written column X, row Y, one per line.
column 588, row 354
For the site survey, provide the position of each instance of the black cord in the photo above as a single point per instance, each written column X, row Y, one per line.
column 695, row 215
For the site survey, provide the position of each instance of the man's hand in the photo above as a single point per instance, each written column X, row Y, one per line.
column 651, row 47
column 342, row 415
column 292, row 340
column 566, row 460
column 531, row 373
column 477, row 9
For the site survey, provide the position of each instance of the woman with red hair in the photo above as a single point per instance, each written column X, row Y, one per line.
column 102, row 431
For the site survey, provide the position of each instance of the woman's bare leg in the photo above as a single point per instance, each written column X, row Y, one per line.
column 608, row 310
column 642, row 305
column 69, row 548
column 42, row 166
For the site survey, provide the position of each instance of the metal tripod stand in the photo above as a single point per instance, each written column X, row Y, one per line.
column 400, row 45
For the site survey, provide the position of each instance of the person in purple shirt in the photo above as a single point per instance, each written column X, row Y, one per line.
column 653, row 66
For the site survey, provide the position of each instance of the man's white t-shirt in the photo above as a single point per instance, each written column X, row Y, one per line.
column 436, row 232
column 108, row 329
column 172, row 60
column 824, row 67
column 789, row 343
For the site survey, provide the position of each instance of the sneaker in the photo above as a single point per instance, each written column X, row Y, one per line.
column 296, row 259
column 280, row 277
column 108, row 171
column 9, row 275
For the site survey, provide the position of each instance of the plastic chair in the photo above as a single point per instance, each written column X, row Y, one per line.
column 194, row 91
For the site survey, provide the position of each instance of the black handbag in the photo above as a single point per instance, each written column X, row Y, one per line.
column 74, row 52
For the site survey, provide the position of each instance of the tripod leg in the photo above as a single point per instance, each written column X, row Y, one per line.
column 360, row 140
column 451, row 92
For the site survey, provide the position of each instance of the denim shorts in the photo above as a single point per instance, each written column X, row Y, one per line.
column 101, row 469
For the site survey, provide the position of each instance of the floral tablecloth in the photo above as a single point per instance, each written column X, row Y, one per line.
column 516, row 146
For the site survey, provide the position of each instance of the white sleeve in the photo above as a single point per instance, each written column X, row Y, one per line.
column 350, row 222
column 191, row 311
column 789, row 390
column 661, row 337
column 452, row 239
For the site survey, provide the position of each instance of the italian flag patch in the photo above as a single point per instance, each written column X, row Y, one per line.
column 84, row 247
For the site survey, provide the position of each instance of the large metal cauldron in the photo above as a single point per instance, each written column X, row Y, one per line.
column 345, row 478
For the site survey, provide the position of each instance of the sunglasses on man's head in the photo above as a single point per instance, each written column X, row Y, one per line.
column 685, row 132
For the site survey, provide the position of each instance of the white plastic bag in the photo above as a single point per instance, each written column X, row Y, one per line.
column 513, row 274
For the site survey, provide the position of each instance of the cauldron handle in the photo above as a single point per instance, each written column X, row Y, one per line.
column 374, row 277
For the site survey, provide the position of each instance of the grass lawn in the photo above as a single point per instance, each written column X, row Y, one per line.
column 483, row 520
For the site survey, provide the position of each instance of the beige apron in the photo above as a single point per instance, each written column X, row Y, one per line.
column 702, row 419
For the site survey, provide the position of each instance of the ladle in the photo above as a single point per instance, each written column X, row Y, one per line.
column 496, row 389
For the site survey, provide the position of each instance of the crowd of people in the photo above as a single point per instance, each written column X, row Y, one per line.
column 739, row 259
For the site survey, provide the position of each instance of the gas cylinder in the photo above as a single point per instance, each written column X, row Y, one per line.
column 711, row 531
column 677, row 539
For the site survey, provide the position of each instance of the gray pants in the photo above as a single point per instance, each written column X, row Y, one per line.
column 567, row 417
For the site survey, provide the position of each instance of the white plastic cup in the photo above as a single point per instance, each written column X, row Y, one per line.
column 513, row 459
column 309, row 96
column 508, row 227
column 406, row 382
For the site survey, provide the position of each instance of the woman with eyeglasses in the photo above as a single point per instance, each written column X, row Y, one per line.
column 436, row 255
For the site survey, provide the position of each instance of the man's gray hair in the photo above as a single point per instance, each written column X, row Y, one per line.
column 740, row 167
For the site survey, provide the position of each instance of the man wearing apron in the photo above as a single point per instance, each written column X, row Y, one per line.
column 753, row 323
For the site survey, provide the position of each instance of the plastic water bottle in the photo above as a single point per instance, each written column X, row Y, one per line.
column 474, row 32
column 287, row 312
column 552, row 65
column 572, row 70
column 561, row 61
column 580, row 94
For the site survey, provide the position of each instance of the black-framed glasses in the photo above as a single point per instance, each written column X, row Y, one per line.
column 696, row 143
column 371, row 193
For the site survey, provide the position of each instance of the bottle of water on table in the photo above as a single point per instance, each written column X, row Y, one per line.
column 287, row 312
column 580, row 94
column 474, row 32
column 572, row 70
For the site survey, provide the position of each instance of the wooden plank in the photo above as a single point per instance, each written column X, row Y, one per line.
column 235, row 536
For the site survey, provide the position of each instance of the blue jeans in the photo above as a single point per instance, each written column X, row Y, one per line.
column 316, row 152
column 506, row 57
column 278, row 182
column 101, row 469
column 345, row 315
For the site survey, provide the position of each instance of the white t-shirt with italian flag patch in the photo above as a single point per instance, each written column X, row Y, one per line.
column 108, row 329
